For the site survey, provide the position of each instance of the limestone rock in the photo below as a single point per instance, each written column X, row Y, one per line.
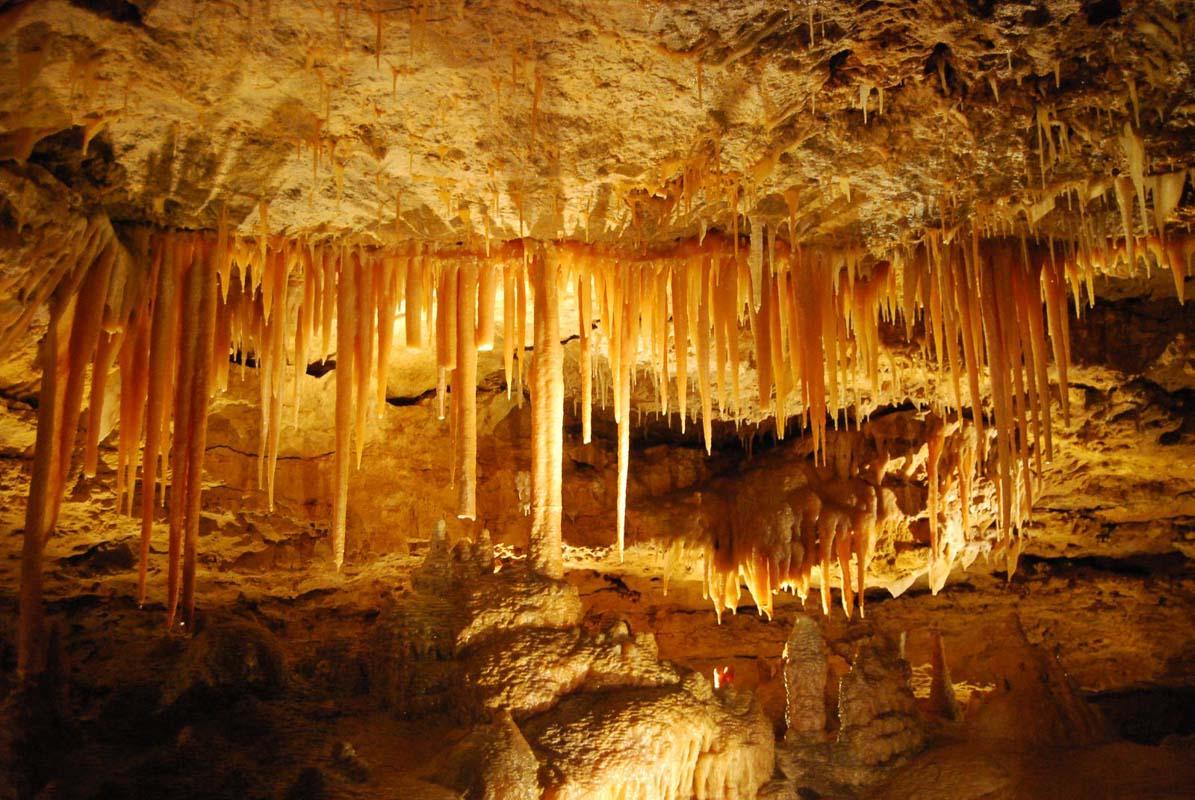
column 527, row 671
column 493, row 762
column 1036, row 704
column 877, row 714
column 805, row 668
column 663, row 742
column 228, row 657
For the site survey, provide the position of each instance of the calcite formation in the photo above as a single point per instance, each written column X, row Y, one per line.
column 475, row 643
column 483, row 337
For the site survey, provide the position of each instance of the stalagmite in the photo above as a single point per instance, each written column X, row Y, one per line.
column 941, row 693
column 464, row 388
column 547, row 419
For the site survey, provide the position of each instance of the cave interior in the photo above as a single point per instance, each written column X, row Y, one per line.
column 518, row 399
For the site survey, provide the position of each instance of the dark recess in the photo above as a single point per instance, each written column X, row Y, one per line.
column 1147, row 716
column 1100, row 11
column 117, row 10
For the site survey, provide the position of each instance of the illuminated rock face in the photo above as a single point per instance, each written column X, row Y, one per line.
column 590, row 703
column 313, row 316
column 805, row 669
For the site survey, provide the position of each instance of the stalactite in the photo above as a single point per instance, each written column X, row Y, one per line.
column 190, row 272
column 302, row 331
column 464, row 388
column 201, row 282
column 509, row 305
column 41, row 507
column 487, row 292
column 388, row 275
column 346, row 334
column 84, row 338
column 414, row 301
column 66, row 337
column 520, row 328
column 585, row 325
column 547, row 419
column 160, row 345
column 363, row 358
column 935, row 441
column 105, row 355
column 134, row 386
column 680, row 336
column 698, row 290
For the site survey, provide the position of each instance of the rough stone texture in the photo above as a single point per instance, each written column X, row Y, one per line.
column 805, row 666
column 530, row 670
column 669, row 742
column 877, row 716
column 494, row 762
column 1036, row 704
column 228, row 656
column 582, row 118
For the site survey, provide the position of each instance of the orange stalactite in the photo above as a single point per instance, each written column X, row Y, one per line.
column 699, row 273
column 414, row 301
column 40, row 509
column 363, row 359
column 387, row 272
column 346, row 334
column 628, row 354
column 446, row 286
column 66, row 336
column 585, row 325
column 509, row 301
column 487, row 294
column 191, row 273
column 679, row 273
column 203, row 283
column 160, row 362
column 520, row 328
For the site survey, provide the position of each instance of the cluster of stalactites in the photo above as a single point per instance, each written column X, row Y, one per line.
column 780, row 543
column 811, row 318
column 829, row 528
column 152, row 315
